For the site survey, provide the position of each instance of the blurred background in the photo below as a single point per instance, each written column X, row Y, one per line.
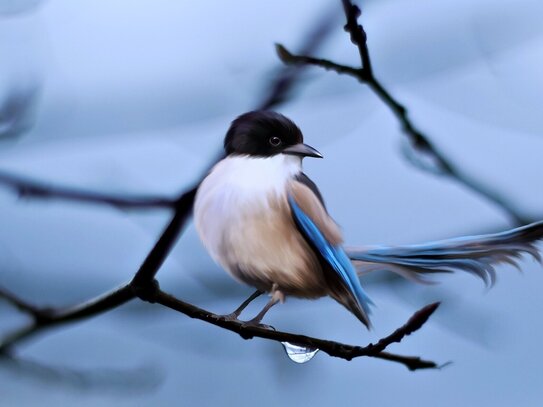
column 134, row 97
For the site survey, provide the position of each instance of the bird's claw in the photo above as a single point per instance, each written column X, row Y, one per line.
column 232, row 317
column 253, row 323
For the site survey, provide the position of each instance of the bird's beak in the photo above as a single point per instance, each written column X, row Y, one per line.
column 302, row 150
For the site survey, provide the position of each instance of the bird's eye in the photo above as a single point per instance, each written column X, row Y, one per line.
column 275, row 141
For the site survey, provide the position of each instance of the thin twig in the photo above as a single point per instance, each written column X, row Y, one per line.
column 279, row 91
column 141, row 285
column 18, row 302
column 27, row 188
column 418, row 139
column 45, row 318
column 417, row 320
column 281, row 87
column 16, row 110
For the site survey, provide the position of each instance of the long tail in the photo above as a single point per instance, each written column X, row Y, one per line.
column 474, row 254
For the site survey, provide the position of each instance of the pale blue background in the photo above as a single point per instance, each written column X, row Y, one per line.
column 135, row 97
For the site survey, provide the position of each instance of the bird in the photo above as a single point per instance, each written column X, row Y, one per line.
column 263, row 220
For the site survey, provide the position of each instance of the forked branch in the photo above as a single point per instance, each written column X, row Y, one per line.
column 45, row 318
column 420, row 142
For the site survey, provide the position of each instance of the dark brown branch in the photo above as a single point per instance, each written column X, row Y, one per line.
column 332, row 348
column 27, row 188
column 163, row 246
column 418, row 139
column 281, row 87
column 142, row 285
column 357, row 33
column 278, row 92
column 17, row 302
column 291, row 59
column 45, row 318
column 417, row 320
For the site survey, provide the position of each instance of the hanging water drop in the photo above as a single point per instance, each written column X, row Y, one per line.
column 298, row 353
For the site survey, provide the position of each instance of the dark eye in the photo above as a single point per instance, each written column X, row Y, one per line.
column 275, row 141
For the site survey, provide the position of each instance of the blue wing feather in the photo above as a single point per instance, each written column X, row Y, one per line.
column 333, row 254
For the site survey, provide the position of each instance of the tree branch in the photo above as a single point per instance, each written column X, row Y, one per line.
column 45, row 318
column 27, row 188
column 332, row 348
column 279, row 91
column 281, row 87
column 419, row 141
column 163, row 246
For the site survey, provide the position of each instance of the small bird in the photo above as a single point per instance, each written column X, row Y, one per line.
column 265, row 222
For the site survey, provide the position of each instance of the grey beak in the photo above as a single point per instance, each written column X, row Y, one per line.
column 303, row 150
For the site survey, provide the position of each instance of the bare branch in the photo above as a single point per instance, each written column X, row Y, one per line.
column 281, row 87
column 44, row 318
column 357, row 33
column 278, row 92
column 163, row 246
column 27, row 188
column 417, row 320
column 291, row 59
column 348, row 352
column 17, row 302
column 418, row 139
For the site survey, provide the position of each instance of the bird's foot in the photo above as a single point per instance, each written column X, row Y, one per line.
column 257, row 324
column 234, row 316
column 231, row 317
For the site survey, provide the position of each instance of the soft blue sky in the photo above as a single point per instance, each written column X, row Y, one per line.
column 135, row 97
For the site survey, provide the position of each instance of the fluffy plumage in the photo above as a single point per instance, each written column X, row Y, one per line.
column 264, row 221
column 243, row 219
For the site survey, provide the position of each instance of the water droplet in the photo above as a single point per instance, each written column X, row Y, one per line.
column 298, row 353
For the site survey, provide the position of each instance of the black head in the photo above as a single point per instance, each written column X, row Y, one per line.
column 264, row 133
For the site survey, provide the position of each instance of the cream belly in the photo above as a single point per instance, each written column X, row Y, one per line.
column 244, row 222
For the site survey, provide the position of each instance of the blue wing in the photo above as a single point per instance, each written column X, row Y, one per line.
column 333, row 254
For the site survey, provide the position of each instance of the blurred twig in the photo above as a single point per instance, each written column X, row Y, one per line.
column 16, row 110
column 278, row 91
column 418, row 140
column 27, row 188
column 46, row 318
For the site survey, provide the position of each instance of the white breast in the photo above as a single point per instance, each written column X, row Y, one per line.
column 242, row 217
column 237, row 188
